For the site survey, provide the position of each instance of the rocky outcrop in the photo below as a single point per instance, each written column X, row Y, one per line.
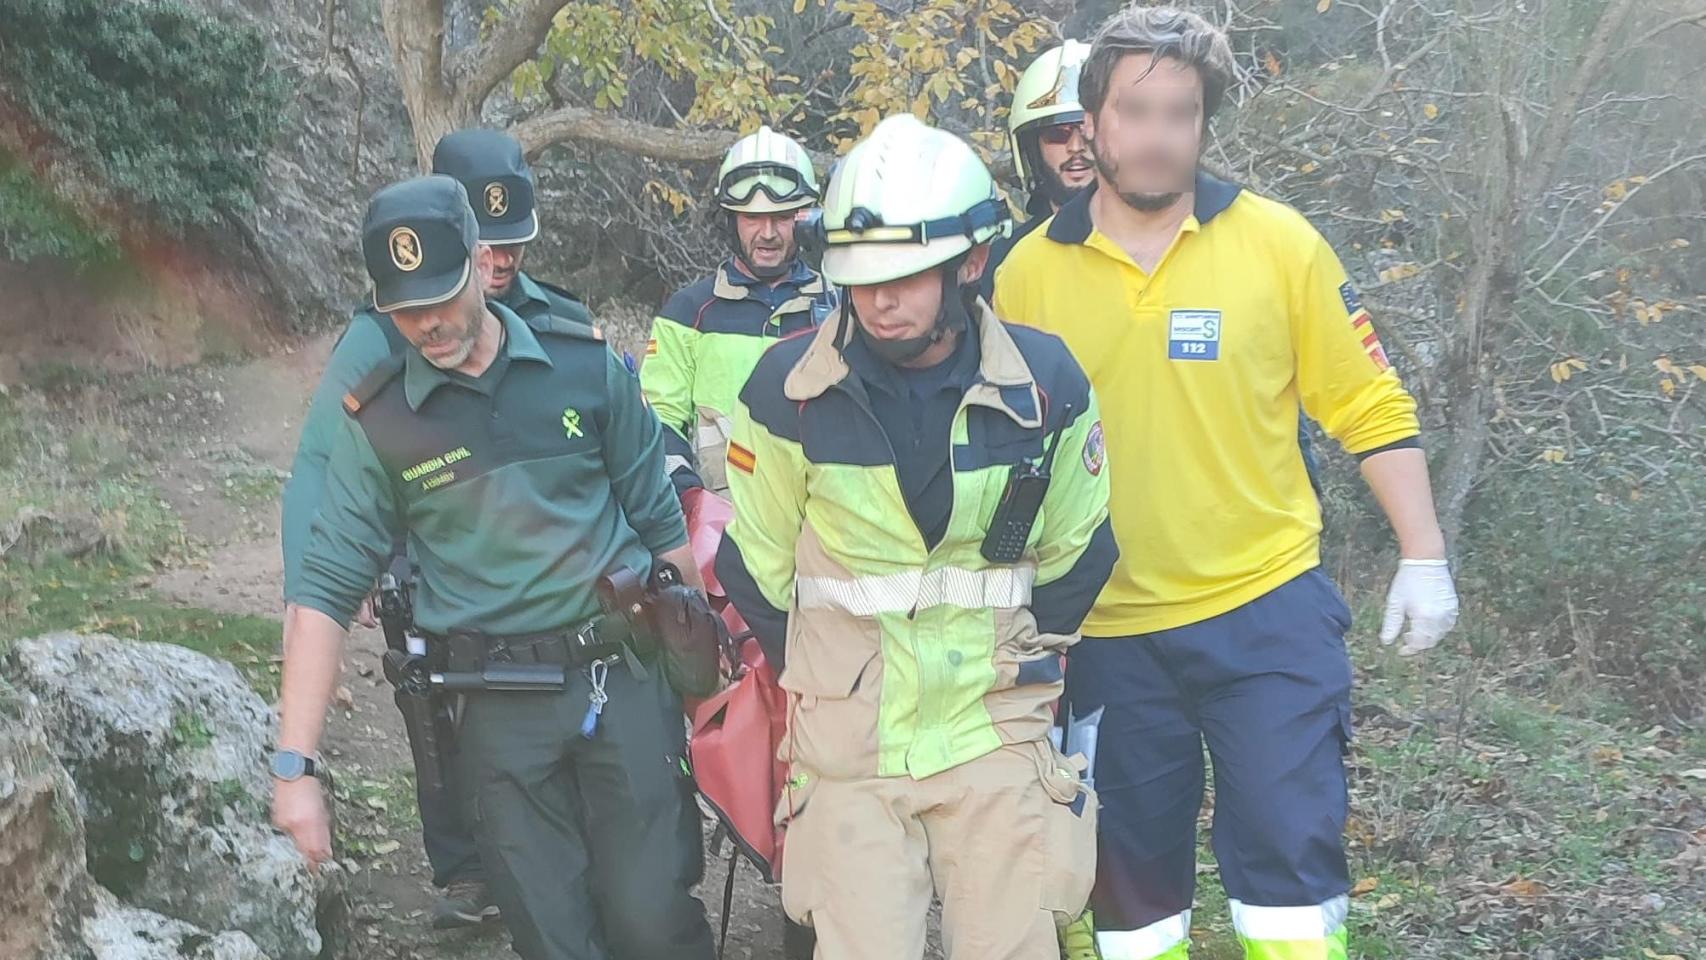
column 50, row 908
column 44, row 889
column 114, row 931
column 345, row 134
column 168, row 750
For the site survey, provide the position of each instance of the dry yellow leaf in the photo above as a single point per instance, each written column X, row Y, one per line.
column 1699, row 370
column 1663, row 365
column 1309, row 167
column 1616, row 190
column 1552, row 455
column 1430, row 110
column 1323, row 6
column 1667, row 387
column 1365, row 886
column 1400, row 271
column 799, row 7
column 1524, row 888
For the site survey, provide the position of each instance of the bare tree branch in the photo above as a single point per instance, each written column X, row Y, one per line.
column 515, row 38
column 1611, row 211
column 630, row 136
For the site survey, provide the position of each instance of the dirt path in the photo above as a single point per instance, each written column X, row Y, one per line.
column 233, row 431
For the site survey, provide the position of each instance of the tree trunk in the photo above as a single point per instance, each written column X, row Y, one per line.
column 1517, row 184
column 415, row 30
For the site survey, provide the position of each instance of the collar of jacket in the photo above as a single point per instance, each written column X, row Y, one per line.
column 421, row 378
column 1003, row 375
column 1072, row 223
column 733, row 283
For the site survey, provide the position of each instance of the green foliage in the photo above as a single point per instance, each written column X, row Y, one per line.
column 34, row 223
column 99, row 596
column 190, row 730
column 941, row 58
column 172, row 107
column 1599, row 576
column 598, row 48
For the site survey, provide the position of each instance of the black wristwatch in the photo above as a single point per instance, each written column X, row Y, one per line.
column 288, row 765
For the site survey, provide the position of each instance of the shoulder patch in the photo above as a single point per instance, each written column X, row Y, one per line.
column 1095, row 450
column 1353, row 300
column 563, row 326
column 369, row 386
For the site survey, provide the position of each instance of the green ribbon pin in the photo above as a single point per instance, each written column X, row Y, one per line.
column 572, row 422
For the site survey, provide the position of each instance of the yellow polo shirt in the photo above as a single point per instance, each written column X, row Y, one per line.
column 1201, row 367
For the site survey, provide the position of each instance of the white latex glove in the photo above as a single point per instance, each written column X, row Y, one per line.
column 1421, row 591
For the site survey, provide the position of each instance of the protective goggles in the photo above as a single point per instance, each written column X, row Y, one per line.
column 780, row 182
column 863, row 226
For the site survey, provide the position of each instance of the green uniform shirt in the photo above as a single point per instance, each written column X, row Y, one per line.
column 369, row 339
column 516, row 490
column 531, row 299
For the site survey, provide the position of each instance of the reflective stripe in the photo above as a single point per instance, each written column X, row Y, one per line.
column 1165, row 939
column 1078, row 939
column 996, row 588
column 1334, row 946
column 1290, row 923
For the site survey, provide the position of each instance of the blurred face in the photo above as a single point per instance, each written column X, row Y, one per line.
column 907, row 308
column 506, row 263
column 1066, row 159
column 766, row 239
column 445, row 333
column 1148, row 135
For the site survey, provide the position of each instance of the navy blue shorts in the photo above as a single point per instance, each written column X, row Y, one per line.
column 1267, row 687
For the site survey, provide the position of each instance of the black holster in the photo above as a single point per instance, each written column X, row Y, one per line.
column 675, row 621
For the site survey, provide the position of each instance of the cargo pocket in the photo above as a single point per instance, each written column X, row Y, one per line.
column 1067, row 853
column 832, row 723
column 801, row 854
column 1346, row 731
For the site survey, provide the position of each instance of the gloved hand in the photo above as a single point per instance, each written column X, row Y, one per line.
column 1423, row 592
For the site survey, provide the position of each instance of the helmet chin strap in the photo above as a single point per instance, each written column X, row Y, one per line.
column 951, row 317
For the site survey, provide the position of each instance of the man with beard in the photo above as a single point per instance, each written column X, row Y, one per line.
column 1206, row 316
column 500, row 185
column 920, row 523
column 1050, row 155
column 710, row 334
column 521, row 465
column 490, row 166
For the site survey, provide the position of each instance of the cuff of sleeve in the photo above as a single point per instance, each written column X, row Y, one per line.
column 324, row 606
column 1412, row 442
column 663, row 538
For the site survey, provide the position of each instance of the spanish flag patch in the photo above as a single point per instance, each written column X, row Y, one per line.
column 651, row 348
column 1362, row 323
column 741, row 458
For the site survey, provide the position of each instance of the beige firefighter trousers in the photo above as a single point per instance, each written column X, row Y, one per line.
column 1006, row 841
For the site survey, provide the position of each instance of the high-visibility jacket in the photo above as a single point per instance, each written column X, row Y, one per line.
column 704, row 344
column 903, row 659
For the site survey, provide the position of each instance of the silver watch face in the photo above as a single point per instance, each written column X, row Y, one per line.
column 289, row 765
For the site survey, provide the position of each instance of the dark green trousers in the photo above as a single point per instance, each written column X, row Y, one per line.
column 591, row 846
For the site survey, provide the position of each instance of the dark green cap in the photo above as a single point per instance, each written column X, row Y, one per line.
column 418, row 241
column 490, row 166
